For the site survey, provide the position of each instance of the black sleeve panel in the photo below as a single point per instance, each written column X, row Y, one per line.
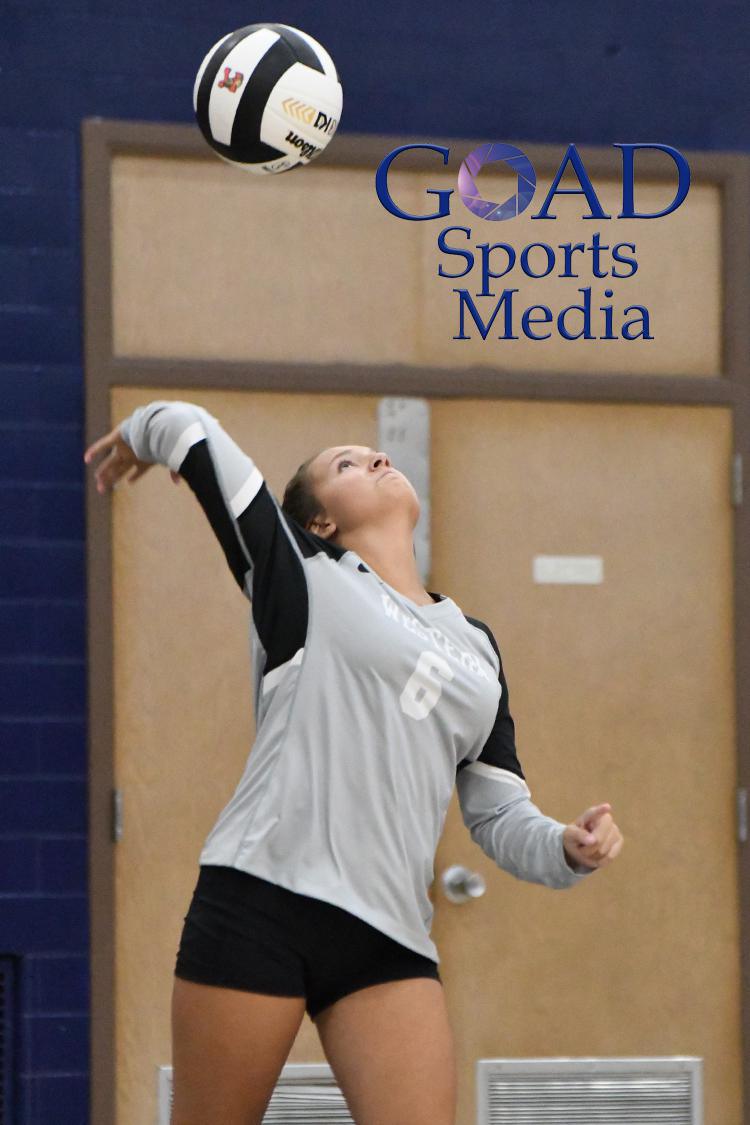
column 259, row 547
column 199, row 471
column 500, row 747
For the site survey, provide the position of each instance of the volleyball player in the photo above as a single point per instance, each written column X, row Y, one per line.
column 373, row 698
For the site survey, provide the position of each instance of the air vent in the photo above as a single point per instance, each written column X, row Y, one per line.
column 7, row 1035
column 591, row 1091
column 304, row 1092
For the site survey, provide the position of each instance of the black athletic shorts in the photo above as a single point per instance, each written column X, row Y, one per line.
column 244, row 932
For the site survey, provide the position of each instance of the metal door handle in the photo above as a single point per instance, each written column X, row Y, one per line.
column 460, row 884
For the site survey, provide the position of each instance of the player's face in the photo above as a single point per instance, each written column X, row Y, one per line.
column 357, row 485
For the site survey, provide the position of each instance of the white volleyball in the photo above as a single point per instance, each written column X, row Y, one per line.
column 267, row 98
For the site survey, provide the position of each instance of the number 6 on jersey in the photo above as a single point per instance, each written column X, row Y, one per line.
column 424, row 688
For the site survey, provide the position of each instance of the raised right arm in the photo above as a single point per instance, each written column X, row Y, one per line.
column 227, row 483
column 263, row 546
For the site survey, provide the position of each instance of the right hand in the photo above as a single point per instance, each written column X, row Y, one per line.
column 119, row 461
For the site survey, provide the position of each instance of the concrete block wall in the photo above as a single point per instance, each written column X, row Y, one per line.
column 672, row 72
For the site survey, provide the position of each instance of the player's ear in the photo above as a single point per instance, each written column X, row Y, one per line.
column 322, row 527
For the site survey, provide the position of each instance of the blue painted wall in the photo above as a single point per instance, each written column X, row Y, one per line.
column 673, row 72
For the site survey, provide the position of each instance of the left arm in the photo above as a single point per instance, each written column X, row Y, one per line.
column 497, row 809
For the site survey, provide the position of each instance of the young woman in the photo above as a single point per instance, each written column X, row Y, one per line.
column 373, row 698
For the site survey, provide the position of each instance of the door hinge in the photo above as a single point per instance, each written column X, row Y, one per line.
column 742, row 815
column 737, row 480
column 117, row 815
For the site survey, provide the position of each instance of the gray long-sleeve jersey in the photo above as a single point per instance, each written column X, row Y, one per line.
column 369, row 708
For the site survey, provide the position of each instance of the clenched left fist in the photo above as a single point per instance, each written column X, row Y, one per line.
column 593, row 839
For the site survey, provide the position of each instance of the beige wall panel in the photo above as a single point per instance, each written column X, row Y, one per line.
column 621, row 692
column 183, row 701
column 678, row 280
column 214, row 263
column 211, row 263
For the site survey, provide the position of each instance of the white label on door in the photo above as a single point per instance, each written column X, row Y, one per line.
column 566, row 569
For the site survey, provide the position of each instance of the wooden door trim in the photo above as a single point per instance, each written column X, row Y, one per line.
column 102, row 140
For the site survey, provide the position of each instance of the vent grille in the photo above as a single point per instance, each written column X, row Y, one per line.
column 591, row 1091
column 304, row 1092
column 7, row 1029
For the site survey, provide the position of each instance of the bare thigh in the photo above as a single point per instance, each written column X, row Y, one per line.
column 391, row 1049
column 228, row 1050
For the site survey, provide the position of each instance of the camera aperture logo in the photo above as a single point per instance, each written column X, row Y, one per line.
column 485, row 310
column 488, row 154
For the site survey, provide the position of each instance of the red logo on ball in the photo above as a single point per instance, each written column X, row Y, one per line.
column 232, row 83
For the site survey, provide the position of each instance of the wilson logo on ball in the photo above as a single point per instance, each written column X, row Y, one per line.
column 231, row 82
column 306, row 149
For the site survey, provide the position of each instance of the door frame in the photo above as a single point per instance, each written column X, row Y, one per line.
column 102, row 141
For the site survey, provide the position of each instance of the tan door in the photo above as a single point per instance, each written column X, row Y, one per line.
column 621, row 692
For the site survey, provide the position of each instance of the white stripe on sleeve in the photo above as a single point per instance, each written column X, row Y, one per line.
column 248, row 492
column 495, row 773
column 271, row 679
column 194, row 432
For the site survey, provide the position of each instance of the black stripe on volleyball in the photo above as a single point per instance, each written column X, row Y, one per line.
column 247, row 119
column 209, row 77
column 287, row 50
column 302, row 49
